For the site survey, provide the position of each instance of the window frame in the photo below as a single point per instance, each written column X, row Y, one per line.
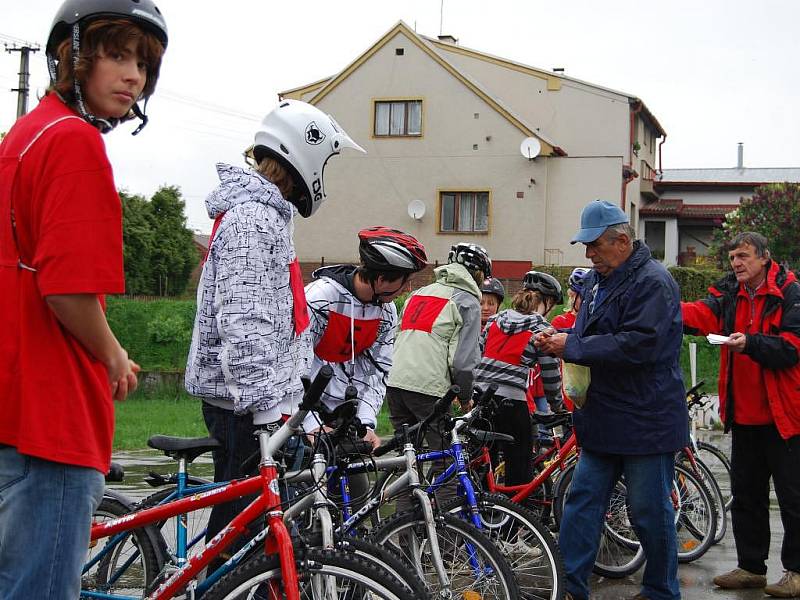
column 457, row 192
column 407, row 101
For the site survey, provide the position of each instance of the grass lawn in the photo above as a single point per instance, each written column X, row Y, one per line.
column 171, row 411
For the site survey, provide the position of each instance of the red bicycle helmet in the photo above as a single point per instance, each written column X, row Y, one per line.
column 387, row 249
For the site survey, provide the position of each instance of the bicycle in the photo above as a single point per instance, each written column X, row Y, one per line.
column 453, row 557
column 285, row 569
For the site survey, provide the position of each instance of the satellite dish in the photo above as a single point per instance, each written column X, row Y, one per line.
column 416, row 209
column 530, row 148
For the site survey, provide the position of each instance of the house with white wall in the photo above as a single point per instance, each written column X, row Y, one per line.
column 443, row 127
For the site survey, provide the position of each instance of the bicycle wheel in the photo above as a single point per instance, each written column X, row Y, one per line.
column 619, row 552
column 697, row 517
column 523, row 540
column 195, row 522
column 124, row 564
column 383, row 557
column 322, row 574
column 475, row 567
column 720, row 465
column 708, row 478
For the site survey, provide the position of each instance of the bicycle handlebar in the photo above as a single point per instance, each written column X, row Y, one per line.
column 439, row 409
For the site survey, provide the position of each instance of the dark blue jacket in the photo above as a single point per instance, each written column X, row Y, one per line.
column 631, row 338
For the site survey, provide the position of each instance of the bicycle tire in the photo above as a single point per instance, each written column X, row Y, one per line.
column 384, row 557
column 716, row 494
column 719, row 463
column 527, row 544
column 132, row 562
column 493, row 579
column 619, row 553
column 315, row 568
column 697, row 519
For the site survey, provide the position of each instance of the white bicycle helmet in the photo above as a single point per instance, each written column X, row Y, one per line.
column 302, row 138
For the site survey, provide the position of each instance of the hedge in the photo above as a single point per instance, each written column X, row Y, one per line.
column 155, row 333
column 693, row 283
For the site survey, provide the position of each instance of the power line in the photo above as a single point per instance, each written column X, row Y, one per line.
column 217, row 108
column 10, row 39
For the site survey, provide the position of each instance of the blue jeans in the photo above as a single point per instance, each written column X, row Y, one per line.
column 45, row 514
column 648, row 479
column 543, row 407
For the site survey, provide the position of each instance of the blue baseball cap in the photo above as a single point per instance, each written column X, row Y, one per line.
column 596, row 217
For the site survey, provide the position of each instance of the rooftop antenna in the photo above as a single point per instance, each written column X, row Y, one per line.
column 441, row 16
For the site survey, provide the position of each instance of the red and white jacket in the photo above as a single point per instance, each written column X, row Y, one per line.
column 354, row 337
column 761, row 384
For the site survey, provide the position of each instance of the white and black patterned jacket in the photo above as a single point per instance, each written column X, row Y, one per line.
column 337, row 318
column 245, row 355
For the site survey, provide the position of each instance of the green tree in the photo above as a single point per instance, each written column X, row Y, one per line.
column 174, row 255
column 774, row 212
column 139, row 242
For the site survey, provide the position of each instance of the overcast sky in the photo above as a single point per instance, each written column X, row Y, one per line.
column 714, row 73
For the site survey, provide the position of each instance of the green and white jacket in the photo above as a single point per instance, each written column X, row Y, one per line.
column 436, row 344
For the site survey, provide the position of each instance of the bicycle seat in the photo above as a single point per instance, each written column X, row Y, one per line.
column 552, row 419
column 179, row 447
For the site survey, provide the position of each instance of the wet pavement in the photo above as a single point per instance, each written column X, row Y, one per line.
column 695, row 577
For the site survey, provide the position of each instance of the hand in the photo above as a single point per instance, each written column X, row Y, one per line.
column 372, row 438
column 736, row 342
column 122, row 375
column 551, row 343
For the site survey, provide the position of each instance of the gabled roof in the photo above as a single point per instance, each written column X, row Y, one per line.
column 733, row 176
column 553, row 80
column 324, row 86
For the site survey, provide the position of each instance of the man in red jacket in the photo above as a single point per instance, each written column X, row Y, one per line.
column 758, row 308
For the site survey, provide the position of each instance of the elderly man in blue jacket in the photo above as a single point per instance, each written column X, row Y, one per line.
column 628, row 331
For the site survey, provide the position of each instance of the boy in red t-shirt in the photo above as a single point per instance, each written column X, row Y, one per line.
column 60, row 251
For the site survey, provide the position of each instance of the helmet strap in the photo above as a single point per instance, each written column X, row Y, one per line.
column 140, row 113
column 104, row 125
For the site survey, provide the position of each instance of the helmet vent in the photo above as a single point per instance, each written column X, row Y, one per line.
column 284, row 149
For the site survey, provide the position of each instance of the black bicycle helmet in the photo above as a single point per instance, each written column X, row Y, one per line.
column 472, row 256
column 386, row 249
column 576, row 279
column 69, row 21
column 545, row 284
column 493, row 286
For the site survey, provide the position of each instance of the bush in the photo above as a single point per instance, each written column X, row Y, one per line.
column 156, row 334
column 694, row 283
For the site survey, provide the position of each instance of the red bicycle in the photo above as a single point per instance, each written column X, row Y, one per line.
column 284, row 570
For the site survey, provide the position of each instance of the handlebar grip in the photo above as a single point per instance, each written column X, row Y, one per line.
column 387, row 447
column 350, row 393
column 445, row 401
column 116, row 472
column 488, row 394
column 314, row 391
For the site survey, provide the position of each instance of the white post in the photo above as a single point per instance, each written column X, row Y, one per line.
column 693, row 374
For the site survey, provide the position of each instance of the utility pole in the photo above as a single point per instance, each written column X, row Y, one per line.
column 24, row 74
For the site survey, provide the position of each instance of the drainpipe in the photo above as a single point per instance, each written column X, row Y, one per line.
column 637, row 108
column 660, row 166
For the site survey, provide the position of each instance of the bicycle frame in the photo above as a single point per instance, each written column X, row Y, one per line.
column 277, row 539
column 520, row 492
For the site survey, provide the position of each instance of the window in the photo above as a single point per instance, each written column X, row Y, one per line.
column 398, row 118
column 464, row 211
